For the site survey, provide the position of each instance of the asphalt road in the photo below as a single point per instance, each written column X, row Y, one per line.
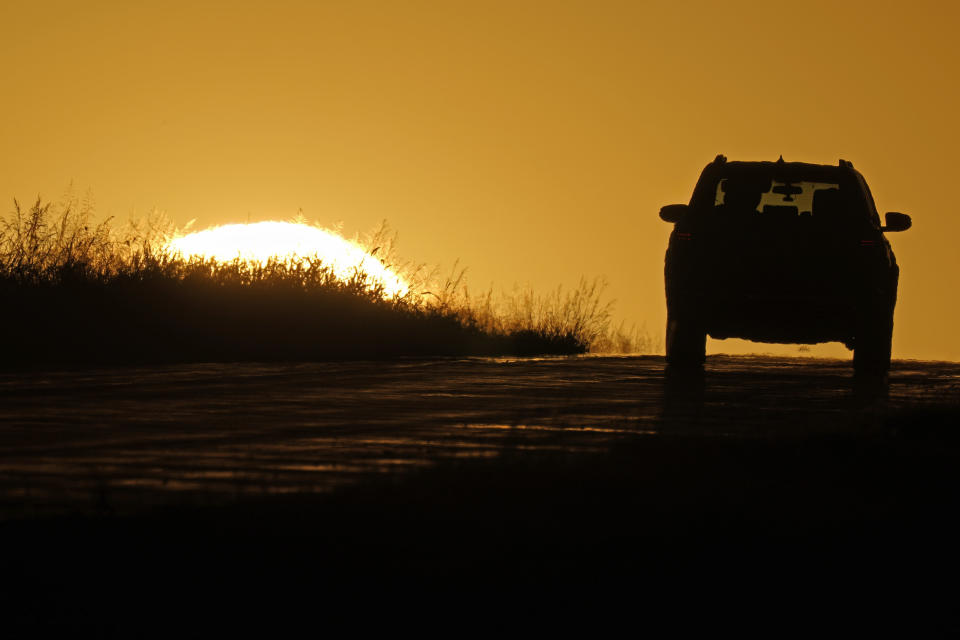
column 84, row 441
column 590, row 493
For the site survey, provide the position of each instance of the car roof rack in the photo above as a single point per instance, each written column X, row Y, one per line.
column 846, row 164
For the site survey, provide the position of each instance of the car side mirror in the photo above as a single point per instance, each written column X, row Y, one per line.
column 673, row 212
column 896, row 222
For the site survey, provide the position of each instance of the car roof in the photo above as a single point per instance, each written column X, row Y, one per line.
column 781, row 169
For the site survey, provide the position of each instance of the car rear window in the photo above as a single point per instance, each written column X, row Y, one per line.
column 780, row 198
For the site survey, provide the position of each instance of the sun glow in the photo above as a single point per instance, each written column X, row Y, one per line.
column 288, row 241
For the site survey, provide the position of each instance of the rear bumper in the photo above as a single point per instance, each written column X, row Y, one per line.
column 786, row 320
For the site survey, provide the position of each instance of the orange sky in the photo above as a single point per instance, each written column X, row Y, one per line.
column 533, row 141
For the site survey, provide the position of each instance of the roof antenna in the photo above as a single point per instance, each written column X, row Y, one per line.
column 780, row 161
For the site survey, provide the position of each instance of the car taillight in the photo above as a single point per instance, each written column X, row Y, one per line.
column 682, row 235
column 868, row 243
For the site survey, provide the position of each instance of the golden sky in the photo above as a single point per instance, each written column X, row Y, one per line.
column 534, row 141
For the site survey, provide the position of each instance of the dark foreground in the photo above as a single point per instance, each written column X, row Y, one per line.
column 463, row 494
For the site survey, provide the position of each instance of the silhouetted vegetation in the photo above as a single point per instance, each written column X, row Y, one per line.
column 79, row 292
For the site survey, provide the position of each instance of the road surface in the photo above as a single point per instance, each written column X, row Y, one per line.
column 129, row 438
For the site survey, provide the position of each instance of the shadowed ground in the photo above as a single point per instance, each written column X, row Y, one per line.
column 563, row 491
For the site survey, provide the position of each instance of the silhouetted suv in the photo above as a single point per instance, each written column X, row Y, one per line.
column 781, row 252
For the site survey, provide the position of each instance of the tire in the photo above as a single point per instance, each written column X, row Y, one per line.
column 686, row 342
column 872, row 345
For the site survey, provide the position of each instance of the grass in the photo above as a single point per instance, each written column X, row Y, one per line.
column 80, row 292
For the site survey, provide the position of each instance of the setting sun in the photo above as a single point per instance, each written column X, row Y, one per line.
column 259, row 242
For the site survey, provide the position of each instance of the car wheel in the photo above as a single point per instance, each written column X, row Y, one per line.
column 871, row 347
column 686, row 342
